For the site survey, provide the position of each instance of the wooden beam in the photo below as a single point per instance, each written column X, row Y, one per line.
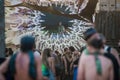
column 2, row 30
column 48, row 9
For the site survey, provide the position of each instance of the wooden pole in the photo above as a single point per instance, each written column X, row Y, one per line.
column 108, row 23
column 2, row 30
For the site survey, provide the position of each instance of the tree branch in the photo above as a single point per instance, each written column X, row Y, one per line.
column 48, row 9
column 80, row 3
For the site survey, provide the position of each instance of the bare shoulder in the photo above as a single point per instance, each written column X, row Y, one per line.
column 108, row 62
column 51, row 59
column 84, row 57
column 105, row 60
column 116, row 54
column 4, row 65
column 114, row 51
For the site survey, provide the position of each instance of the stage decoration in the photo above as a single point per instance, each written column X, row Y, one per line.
column 50, row 30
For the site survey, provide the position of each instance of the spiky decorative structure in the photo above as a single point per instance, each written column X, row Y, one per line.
column 32, row 20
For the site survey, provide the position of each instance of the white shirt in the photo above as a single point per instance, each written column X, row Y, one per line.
column 105, row 48
column 37, row 53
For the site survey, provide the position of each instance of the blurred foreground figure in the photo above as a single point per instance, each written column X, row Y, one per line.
column 109, row 49
column 113, row 55
column 94, row 66
column 24, row 65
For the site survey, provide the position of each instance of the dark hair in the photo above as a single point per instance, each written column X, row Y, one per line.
column 65, row 49
column 10, row 51
column 89, row 33
column 38, row 51
column 45, row 55
column 47, row 52
column 27, row 43
column 71, row 48
column 57, row 52
column 102, row 36
column 82, row 49
column 96, row 43
column 6, row 50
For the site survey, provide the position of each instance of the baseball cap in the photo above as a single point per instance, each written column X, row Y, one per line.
column 88, row 33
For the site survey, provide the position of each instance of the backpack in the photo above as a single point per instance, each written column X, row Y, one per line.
column 109, row 49
column 114, row 61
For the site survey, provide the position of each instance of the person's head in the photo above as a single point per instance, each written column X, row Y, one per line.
column 72, row 49
column 10, row 51
column 6, row 50
column 46, row 52
column 66, row 50
column 45, row 55
column 27, row 44
column 57, row 52
column 95, row 45
column 90, row 34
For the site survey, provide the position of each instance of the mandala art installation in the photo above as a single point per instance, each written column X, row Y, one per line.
column 50, row 30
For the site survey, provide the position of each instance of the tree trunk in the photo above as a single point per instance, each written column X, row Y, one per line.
column 2, row 30
column 108, row 23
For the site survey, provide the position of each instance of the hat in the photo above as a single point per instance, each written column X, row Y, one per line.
column 88, row 33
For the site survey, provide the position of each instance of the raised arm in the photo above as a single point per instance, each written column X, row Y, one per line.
column 81, row 68
column 53, row 65
column 111, row 77
column 3, row 68
column 116, row 54
column 38, row 68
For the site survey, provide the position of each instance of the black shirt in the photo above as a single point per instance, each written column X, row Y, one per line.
column 115, row 65
column 76, row 61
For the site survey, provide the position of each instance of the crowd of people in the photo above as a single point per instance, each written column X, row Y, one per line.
column 8, row 52
column 95, row 61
